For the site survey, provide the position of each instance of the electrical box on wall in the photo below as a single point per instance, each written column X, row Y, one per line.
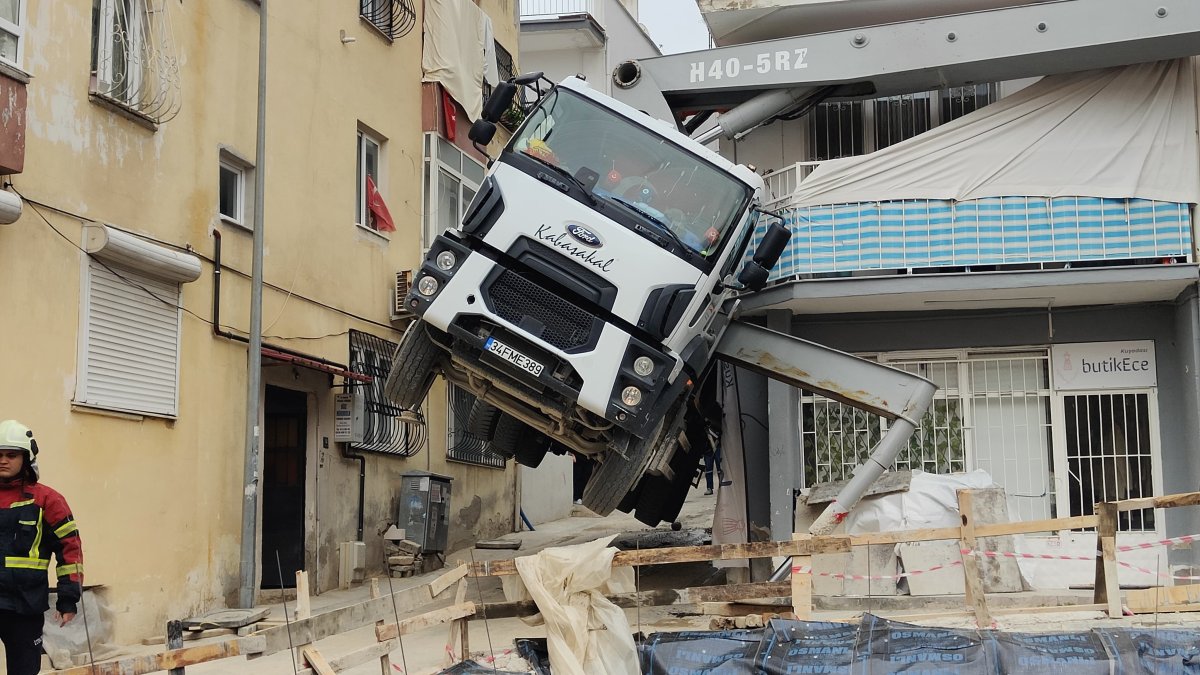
column 348, row 419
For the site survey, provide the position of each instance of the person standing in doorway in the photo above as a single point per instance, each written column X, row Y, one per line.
column 35, row 522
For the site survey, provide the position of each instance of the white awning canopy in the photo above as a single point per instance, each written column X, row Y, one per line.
column 1127, row 132
column 122, row 248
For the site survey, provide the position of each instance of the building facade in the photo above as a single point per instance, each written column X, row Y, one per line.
column 130, row 136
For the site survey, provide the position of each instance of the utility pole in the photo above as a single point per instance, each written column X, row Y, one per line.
column 254, row 356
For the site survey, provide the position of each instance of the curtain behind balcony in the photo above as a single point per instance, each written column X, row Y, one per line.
column 1116, row 133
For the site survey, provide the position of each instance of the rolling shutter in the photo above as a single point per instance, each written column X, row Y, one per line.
column 130, row 348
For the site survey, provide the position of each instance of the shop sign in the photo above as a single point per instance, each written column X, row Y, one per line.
column 1104, row 365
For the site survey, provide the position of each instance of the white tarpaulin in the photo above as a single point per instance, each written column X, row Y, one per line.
column 454, row 50
column 1119, row 133
column 586, row 633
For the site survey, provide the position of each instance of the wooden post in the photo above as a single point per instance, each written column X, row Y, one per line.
column 458, row 629
column 175, row 641
column 385, row 661
column 972, row 578
column 303, row 609
column 802, row 581
column 1107, row 588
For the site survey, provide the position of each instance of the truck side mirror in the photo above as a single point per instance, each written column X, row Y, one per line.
column 482, row 132
column 754, row 275
column 501, row 98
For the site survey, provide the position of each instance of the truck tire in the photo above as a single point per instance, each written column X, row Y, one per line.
column 482, row 420
column 617, row 475
column 414, row 366
column 513, row 438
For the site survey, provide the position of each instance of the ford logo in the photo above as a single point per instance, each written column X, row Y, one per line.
column 584, row 236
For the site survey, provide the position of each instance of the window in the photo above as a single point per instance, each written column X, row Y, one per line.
column 504, row 64
column 370, row 156
column 12, row 31
column 129, row 353
column 393, row 18
column 383, row 430
column 116, row 59
column 452, row 178
column 231, row 201
column 462, row 445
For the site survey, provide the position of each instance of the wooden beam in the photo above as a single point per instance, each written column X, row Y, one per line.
column 303, row 609
column 385, row 661
column 316, row 661
column 1107, row 588
column 1161, row 502
column 343, row 619
column 422, row 621
column 372, row 652
column 1033, row 526
column 683, row 596
column 976, row 600
column 680, row 554
column 459, row 627
column 173, row 658
column 447, row 580
column 801, row 590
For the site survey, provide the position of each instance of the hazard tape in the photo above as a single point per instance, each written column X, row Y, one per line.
column 1186, row 539
column 1033, row 556
column 798, row 569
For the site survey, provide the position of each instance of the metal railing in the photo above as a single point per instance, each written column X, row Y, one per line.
column 543, row 9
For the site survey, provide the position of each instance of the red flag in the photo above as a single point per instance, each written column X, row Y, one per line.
column 449, row 115
column 383, row 219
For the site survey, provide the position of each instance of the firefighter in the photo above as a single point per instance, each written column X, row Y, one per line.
column 35, row 522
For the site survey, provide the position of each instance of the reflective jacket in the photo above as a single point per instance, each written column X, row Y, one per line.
column 36, row 522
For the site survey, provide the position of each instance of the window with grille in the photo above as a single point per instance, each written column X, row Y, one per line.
column 836, row 130
column 899, row 118
column 134, row 63
column 504, row 63
column 462, row 445
column 383, row 431
column 393, row 18
column 959, row 101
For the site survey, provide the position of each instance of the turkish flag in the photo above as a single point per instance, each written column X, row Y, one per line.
column 449, row 115
column 383, row 219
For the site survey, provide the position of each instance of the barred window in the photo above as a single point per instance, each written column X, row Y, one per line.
column 393, row 18
column 959, row 101
column 504, row 63
column 836, row 130
column 462, row 445
column 383, row 431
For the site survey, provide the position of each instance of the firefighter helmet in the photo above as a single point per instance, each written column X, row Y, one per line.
column 17, row 436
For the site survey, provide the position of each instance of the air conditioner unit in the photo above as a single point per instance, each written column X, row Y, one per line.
column 403, row 283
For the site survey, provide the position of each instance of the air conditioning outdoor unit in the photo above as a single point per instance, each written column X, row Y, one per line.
column 403, row 283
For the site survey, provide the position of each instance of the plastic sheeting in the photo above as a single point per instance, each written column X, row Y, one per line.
column 454, row 49
column 1116, row 133
column 930, row 501
column 586, row 633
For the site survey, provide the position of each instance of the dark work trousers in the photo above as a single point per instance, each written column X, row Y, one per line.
column 22, row 638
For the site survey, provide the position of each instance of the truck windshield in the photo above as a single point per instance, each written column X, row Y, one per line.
column 622, row 162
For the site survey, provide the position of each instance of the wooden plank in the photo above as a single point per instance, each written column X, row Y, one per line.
column 976, row 600
column 343, row 619
column 1153, row 599
column 801, row 590
column 303, row 600
column 316, row 661
column 1108, row 589
column 419, row 622
column 175, row 641
column 735, row 592
column 226, row 618
column 679, row 554
column 373, row 651
column 904, row 536
column 173, row 658
column 447, row 580
column 458, row 628
column 892, row 481
column 385, row 660
column 1054, row 609
column 659, row 598
column 1160, row 502
column 1033, row 526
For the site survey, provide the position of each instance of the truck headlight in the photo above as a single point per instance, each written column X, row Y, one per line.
column 631, row 396
column 643, row 366
column 446, row 260
column 427, row 286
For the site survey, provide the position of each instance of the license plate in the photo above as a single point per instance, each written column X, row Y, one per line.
column 513, row 356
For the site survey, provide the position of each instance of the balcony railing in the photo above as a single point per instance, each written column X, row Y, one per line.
column 981, row 234
column 781, row 183
column 549, row 9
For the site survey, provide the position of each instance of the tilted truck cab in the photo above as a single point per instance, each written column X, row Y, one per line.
column 581, row 295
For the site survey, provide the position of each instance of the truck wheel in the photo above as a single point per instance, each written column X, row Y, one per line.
column 514, row 438
column 482, row 420
column 413, row 367
column 617, row 475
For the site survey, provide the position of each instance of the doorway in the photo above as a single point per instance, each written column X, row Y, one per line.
column 285, row 434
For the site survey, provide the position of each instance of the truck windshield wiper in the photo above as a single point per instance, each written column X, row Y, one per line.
column 656, row 221
column 565, row 174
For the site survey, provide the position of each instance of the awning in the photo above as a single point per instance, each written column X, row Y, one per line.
column 314, row 363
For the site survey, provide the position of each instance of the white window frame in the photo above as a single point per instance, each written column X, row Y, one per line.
column 239, row 216
column 433, row 168
column 361, row 211
column 16, row 30
column 137, row 284
column 104, row 54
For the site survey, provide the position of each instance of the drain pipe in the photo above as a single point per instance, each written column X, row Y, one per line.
column 362, row 482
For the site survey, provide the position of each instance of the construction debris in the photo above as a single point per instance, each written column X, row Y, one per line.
column 403, row 557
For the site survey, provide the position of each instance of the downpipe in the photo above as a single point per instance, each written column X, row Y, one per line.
column 884, row 454
column 362, row 483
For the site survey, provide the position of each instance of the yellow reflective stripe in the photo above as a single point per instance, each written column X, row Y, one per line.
column 24, row 503
column 66, row 529
column 37, row 539
column 27, row 522
column 27, row 563
column 64, row 570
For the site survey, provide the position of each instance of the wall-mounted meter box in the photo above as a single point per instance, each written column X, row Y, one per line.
column 349, row 423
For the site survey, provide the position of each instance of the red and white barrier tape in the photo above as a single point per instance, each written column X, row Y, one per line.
column 797, row 569
column 1186, row 539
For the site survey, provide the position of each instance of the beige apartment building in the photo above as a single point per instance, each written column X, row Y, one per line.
column 128, row 127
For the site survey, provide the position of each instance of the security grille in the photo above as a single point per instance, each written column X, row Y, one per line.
column 990, row 412
column 836, row 130
column 517, row 299
column 393, row 18
column 959, row 101
column 462, row 445
column 384, row 431
column 505, row 63
column 899, row 118
column 1109, row 454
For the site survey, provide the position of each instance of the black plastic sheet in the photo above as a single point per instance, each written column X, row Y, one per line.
column 806, row 647
column 1152, row 652
column 896, row 647
column 726, row 652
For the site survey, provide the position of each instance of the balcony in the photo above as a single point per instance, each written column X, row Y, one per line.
column 539, row 10
column 555, row 25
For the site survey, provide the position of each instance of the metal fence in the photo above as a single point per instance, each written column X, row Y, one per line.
column 548, row 8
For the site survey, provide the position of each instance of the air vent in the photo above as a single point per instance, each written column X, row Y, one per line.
column 403, row 284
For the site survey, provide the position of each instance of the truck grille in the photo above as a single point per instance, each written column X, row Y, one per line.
column 561, row 322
